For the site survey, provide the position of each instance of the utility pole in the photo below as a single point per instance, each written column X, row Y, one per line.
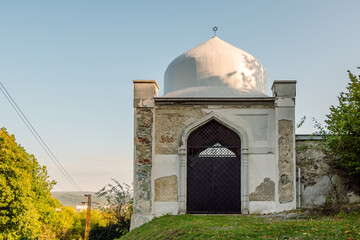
column 88, row 212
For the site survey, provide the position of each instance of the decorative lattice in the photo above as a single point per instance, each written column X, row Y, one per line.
column 213, row 170
column 217, row 150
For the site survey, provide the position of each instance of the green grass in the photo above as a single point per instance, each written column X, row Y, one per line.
column 340, row 226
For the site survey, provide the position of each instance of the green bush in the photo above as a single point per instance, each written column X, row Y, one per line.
column 110, row 232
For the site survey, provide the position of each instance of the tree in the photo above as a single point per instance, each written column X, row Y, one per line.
column 118, row 197
column 342, row 141
column 27, row 209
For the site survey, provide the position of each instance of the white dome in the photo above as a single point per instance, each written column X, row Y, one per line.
column 215, row 69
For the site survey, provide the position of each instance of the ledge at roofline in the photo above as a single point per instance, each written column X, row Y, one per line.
column 216, row 101
column 308, row 137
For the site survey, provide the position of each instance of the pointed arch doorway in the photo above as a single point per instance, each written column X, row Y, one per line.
column 213, row 170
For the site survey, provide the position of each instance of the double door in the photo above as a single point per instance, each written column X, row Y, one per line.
column 213, row 185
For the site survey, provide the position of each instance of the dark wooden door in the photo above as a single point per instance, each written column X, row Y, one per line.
column 213, row 170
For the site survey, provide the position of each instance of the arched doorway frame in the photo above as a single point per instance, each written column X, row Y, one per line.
column 240, row 131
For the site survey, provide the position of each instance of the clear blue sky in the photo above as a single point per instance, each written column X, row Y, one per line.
column 69, row 65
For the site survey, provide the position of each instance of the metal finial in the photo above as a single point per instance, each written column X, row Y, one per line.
column 215, row 28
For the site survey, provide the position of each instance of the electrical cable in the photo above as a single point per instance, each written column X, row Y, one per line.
column 37, row 137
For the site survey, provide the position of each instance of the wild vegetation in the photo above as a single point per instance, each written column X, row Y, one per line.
column 341, row 145
column 342, row 136
column 118, row 198
column 28, row 210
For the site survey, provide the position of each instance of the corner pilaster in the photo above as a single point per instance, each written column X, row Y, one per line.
column 144, row 93
column 284, row 93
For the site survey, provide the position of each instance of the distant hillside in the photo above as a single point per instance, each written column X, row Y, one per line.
column 75, row 198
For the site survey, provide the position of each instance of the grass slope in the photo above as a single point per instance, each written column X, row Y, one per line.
column 341, row 226
column 71, row 198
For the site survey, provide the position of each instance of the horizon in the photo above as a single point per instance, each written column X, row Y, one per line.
column 70, row 65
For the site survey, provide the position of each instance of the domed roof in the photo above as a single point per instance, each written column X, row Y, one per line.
column 215, row 69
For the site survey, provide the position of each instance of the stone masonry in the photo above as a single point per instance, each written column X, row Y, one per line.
column 286, row 152
column 143, row 155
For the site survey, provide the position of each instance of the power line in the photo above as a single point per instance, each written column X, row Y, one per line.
column 37, row 136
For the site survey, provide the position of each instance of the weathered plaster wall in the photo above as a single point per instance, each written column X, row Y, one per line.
column 165, row 172
column 261, row 181
column 315, row 182
column 171, row 120
column 264, row 192
column 311, row 161
column 286, row 166
column 315, row 176
column 285, row 92
column 259, row 124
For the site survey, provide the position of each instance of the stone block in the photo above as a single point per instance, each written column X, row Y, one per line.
column 166, row 189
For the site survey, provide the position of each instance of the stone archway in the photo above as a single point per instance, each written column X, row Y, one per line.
column 243, row 152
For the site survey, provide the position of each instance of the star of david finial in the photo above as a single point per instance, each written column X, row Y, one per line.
column 215, row 28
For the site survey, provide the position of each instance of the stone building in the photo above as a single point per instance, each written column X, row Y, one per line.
column 215, row 142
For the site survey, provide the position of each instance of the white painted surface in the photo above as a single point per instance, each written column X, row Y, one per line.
column 262, row 207
column 163, row 208
column 259, row 124
column 280, row 207
column 165, row 165
column 260, row 167
column 215, row 69
column 315, row 195
column 139, row 219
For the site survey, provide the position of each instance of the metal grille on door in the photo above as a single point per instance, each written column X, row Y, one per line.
column 213, row 170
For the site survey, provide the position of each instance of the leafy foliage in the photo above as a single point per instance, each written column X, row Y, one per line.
column 111, row 231
column 77, row 224
column 343, row 124
column 118, row 197
column 27, row 209
column 120, row 208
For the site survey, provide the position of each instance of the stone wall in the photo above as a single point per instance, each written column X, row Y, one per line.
column 286, row 152
column 143, row 159
column 170, row 121
column 316, row 173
